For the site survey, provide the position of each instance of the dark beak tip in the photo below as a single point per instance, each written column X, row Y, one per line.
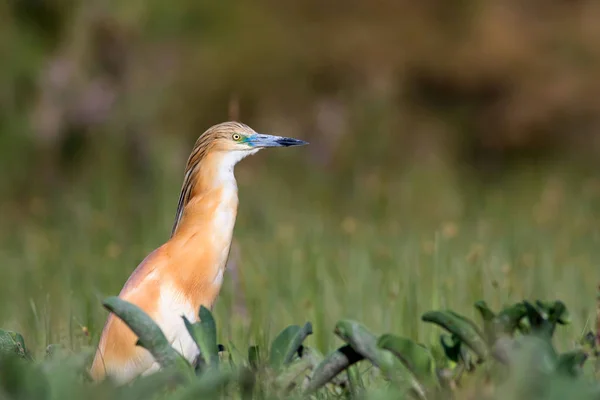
column 289, row 142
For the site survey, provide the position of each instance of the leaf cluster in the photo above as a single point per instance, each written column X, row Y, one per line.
column 510, row 352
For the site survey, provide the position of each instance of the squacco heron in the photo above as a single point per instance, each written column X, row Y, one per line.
column 186, row 271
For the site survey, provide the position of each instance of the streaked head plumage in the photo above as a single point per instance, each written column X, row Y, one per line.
column 236, row 136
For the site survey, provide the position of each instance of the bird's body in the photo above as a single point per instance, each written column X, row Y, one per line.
column 187, row 271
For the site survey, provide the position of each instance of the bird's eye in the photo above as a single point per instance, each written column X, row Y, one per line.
column 236, row 137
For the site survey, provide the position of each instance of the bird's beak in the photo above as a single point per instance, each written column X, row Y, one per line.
column 260, row 140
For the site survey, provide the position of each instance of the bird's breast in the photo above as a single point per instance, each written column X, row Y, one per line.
column 173, row 305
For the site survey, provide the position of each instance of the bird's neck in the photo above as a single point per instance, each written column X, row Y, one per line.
column 202, row 236
column 210, row 205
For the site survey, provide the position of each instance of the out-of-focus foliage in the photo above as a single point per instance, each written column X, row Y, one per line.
column 478, row 81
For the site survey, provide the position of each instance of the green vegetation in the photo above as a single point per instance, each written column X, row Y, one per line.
column 377, row 250
column 517, row 340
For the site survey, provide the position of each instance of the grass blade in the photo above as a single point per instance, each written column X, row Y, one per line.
column 254, row 357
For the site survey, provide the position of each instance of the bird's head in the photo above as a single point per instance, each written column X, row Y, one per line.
column 237, row 137
column 229, row 142
column 224, row 144
column 215, row 154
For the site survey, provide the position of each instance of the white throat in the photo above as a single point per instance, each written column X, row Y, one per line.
column 226, row 211
column 228, row 162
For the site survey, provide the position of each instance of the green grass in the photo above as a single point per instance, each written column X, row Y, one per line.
column 380, row 248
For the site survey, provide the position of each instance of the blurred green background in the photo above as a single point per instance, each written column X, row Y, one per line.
column 453, row 157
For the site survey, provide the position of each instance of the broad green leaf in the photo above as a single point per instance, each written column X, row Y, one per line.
column 149, row 334
column 524, row 326
column 331, row 366
column 204, row 333
column 560, row 314
column 468, row 321
column 297, row 341
column 365, row 343
column 555, row 311
column 280, row 346
column 414, row 356
column 286, row 344
column 486, row 313
column 510, row 318
column 13, row 343
column 456, row 351
column 538, row 320
column 464, row 329
column 451, row 345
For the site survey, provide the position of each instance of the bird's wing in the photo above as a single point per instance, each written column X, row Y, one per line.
column 146, row 268
column 117, row 354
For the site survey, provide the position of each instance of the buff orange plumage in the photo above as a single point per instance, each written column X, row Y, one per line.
column 187, row 271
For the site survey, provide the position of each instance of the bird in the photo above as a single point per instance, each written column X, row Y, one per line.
column 186, row 272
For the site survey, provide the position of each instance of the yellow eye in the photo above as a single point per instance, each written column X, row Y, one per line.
column 236, row 137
